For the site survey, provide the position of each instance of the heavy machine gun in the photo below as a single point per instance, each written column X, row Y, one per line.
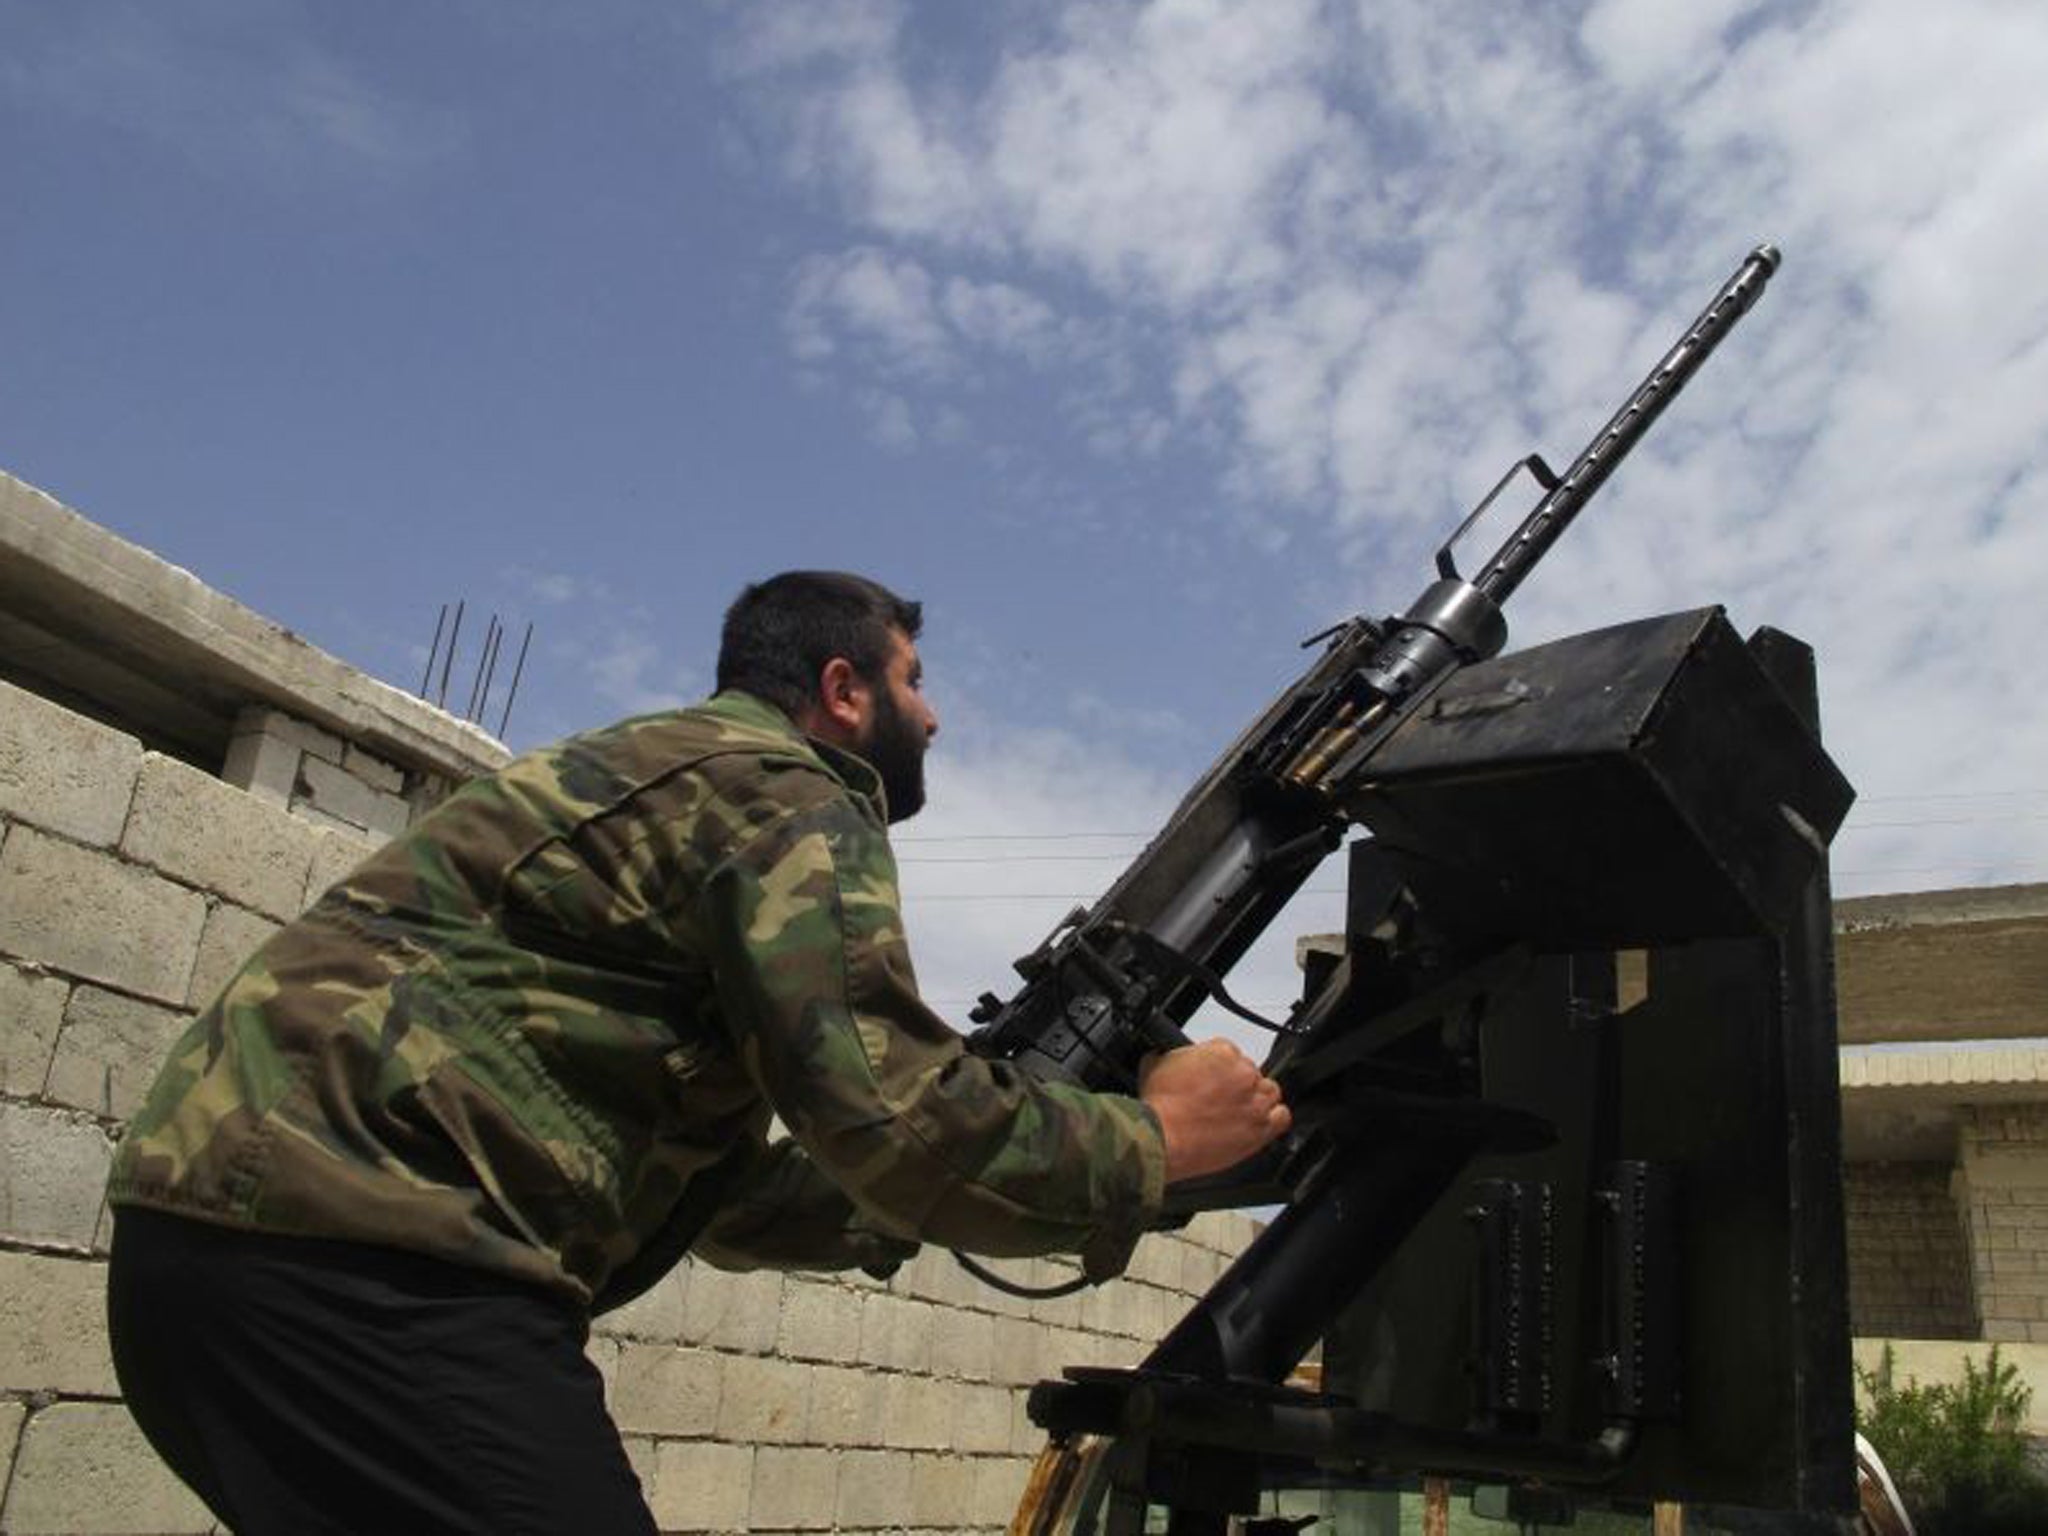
column 1117, row 980
column 1562, row 1205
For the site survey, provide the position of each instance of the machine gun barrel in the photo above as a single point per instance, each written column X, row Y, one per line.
column 1115, row 981
column 1539, row 530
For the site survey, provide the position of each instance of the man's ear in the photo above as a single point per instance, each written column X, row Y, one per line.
column 844, row 698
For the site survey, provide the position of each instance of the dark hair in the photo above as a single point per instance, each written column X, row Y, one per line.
column 779, row 633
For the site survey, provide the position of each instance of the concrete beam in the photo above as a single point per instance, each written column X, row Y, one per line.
column 1943, row 965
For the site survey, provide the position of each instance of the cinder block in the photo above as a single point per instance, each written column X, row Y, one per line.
column 998, row 1485
column 963, row 1344
column 981, row 1418
column 1122, row 1308
column 230, row 937
column 763, row 1400
column 1198, row 1268
column 665, row 1390
column 1153, row 1261
column 53, row 1326
column 31, row 1011
column 1113, row 1353
column 1225, row 1232
column 90, row 915
column 53, row 1172
column 874, row 1490
column 313, row 816
column 820, row 1321
column 1077, row 1346
column 1158, row 1311
column 62, row 772
column 334, row 855
column 656, row 1314
column 936, row 1276
column 738, row 1312
column 337, row 853
column 941, row 1488
column 895, row 1333
column 848, row 1406
column 917, row 1413
column 109, row 1051
column 794, row 1489
column 1020, row 1348
column 699, row 1485
column 334, row 791
column 302, row 734
column 1056, row 1311
column 262, row 766
column 196, row 829
column 373, row 770
column 1099, row 1306
column 83, row 1469
column 390, row 815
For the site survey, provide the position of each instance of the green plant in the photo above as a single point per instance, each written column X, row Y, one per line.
column 1956, row 1450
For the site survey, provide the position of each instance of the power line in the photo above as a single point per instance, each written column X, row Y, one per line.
column 1852, row 825
column 1961, row 794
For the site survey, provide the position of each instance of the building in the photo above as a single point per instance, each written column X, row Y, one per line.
column 178, row 776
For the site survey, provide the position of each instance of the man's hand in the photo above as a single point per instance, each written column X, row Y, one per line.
column 1214, row 1106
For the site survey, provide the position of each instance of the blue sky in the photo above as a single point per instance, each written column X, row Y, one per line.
column 1139, row 340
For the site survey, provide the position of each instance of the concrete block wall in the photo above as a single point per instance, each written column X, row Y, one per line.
column 2001, row 1187
column 131, row 885
column 768, row 1402
column 1909, row 1262
column 295, row 766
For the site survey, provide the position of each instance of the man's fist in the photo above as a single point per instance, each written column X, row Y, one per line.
column 1214, row 1106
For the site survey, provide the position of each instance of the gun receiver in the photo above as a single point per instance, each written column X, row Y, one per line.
column 1116, row 981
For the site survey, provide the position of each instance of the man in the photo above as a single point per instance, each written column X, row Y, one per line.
column 526, row 1056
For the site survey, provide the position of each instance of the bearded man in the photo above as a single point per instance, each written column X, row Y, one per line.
column 515, row 1066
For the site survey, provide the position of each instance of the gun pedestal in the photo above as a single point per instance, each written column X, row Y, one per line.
column 1574, row 1212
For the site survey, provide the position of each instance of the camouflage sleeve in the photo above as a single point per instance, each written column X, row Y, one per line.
column 931, row 1143
column 785, row 1214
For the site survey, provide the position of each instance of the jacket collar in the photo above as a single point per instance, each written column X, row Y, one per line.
column 756, row 713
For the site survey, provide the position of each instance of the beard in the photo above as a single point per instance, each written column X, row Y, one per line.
column 895, row 749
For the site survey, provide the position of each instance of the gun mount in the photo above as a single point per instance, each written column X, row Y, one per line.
column 1562, row 1205
column 1565, row 1210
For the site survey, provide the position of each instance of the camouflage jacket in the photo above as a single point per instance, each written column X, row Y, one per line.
column 520, row 1034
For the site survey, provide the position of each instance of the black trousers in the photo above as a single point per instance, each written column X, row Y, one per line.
column 301, row 1385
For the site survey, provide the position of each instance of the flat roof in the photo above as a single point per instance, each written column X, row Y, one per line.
column 104, row 627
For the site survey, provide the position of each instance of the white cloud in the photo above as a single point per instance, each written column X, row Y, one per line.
column 865, row 297
column 1383, row 250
